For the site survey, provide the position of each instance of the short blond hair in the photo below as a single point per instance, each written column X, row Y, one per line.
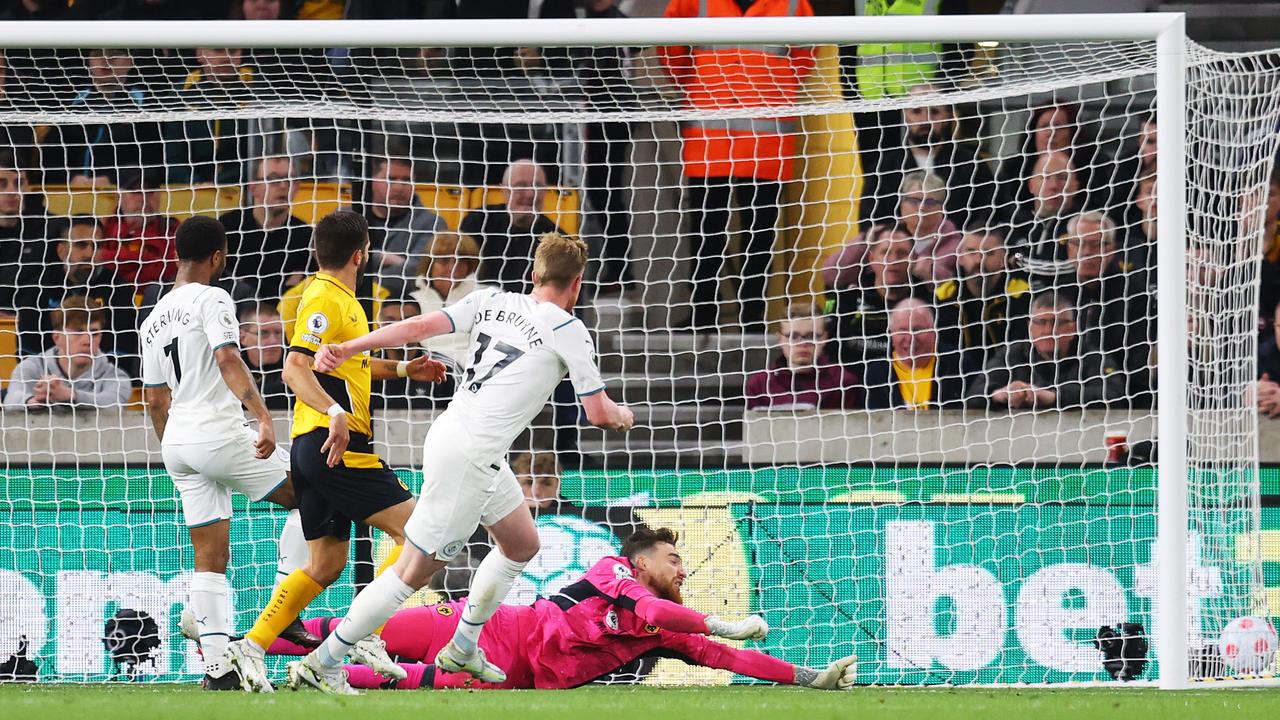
column 452, row 245
column 559, row 259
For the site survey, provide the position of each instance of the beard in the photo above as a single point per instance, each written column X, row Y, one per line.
column 670, row 591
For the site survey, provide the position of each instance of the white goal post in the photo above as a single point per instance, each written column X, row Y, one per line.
column 1182, row 424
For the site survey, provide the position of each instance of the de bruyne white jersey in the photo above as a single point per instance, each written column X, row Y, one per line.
column 178, row 339
column 520, row 350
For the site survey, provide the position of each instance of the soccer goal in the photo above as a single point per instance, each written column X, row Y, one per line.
column 920, row 372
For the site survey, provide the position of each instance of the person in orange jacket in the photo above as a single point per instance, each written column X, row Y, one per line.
column 742, row 158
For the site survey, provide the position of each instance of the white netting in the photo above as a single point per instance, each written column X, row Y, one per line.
column 961, row 490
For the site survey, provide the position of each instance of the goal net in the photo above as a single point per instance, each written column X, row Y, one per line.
column 887, row 315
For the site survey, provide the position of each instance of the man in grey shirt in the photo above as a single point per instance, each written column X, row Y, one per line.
column 73, row 372
column 401, row 228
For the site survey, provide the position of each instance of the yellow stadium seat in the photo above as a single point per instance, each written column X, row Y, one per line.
column 314, row 200
column 562, row 205
column 8, row 348
column 447, row 201
column 183, row 201
column 63, row 201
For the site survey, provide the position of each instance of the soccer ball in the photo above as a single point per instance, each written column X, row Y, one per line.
column 1248, row 644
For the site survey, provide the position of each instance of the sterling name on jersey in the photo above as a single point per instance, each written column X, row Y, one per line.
column 178, row 339
column 520, row 350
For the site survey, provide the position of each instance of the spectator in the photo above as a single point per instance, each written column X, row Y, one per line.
column 96, row 154
column 1140, row 243
column 211, row 150
column 1057, row 128
column 985, row 307
column 450, row 276
column 1267, row 215
column 73, row 372
column 844, row 267
column 538, row 473
column 601, row 74
column 401, row 393
column 918, row 372
column 400, row 226
column 138, row 246
column 802, row 376
column 262, row 347
column 1113, row 302
column 747, row 160
column 269, row 249
column 1055, row 368
column 1052, row 197
column 507, row 233
column 862, row 310
column 931, row 145
column 24, row 233
column 922, row 212
column 74, row 272
column 1267, row 391
column 19, row 137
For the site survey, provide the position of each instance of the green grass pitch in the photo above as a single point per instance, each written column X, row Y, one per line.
column 50, row 702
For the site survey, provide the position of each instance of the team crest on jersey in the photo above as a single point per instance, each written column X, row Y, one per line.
column 611, row 620
column 317, row 323
column 444, row 610
column 226, row 319
column 621, row 571
column 452, row 549
column 651, row 629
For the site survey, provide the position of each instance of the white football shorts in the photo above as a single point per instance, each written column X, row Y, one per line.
column 207, row 473
column 457, row 495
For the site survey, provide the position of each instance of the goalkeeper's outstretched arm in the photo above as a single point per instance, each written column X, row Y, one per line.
column 699, row 650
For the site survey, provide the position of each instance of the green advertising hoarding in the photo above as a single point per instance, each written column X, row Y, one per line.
column 931, row 575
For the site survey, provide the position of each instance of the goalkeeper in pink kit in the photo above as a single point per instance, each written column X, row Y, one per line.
column 624, row 608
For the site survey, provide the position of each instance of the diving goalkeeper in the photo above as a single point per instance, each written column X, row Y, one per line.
column 624, row 608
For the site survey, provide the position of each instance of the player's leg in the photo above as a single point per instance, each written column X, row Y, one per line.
column 517, row 540
column 206, row 510
column 507, row 518
column 436, row 528
column 209, row 598
column 327, row 531
column 269, row 480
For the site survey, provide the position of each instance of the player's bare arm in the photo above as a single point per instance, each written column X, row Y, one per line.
column 301, row 379
column 603, row 412
column 158, row 400
column 236, row 374
column 398, row 334
column 421, row 369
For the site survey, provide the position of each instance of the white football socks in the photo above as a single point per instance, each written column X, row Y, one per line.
column 209, row 603
column 292, row 550
column 489, row 586
column 369, row 611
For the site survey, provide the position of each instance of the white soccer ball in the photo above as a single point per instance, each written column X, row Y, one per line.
column 1248, row 644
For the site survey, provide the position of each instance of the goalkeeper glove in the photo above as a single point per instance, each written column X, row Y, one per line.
column 839, row 675
column 752, row 627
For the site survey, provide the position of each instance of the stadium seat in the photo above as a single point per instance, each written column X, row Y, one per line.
column 180, row 201
column 447, row 201
column 562, row 205
column 183, row 201
column 8, row 348
column 314, row 200
column 64, row 201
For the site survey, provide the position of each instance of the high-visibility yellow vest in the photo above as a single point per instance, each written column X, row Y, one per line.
column 892, row 69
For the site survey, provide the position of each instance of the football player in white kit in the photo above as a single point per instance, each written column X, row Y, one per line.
column 194, row 384
column 521, row 348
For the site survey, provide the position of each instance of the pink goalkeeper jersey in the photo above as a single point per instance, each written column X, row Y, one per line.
column 587, row 630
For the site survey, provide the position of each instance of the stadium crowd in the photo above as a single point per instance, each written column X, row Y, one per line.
column 1022, row 284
